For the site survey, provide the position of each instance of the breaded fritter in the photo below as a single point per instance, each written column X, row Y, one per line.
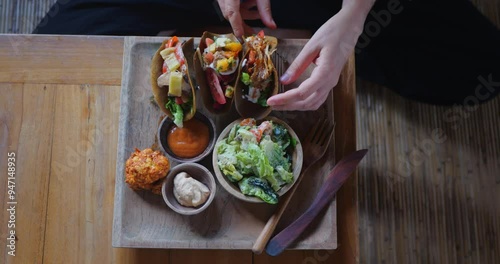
column 144, row 169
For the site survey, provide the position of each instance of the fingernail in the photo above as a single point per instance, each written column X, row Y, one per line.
column 285, row 77
column 274, row 23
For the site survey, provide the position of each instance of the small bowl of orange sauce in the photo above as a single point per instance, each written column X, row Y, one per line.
column 190, row 143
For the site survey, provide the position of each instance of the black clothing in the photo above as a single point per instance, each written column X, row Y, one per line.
column 439, row 52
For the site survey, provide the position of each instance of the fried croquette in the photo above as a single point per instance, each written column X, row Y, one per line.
column 145, row 169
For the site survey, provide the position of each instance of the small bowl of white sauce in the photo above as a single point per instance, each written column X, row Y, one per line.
column 189, row 188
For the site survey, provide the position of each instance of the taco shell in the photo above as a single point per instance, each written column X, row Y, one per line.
column 245, row 107
column 201, row 79
column 161, row 94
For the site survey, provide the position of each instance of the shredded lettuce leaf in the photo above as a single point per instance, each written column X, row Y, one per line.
column 227, row 161
column 264, row 95
column 176, row 111
column 245, row 78
column 274, row 153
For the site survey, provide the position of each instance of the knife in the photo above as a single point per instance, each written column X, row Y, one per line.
column 338, row 175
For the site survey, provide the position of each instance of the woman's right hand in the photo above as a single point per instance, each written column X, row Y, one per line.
column 236, row 12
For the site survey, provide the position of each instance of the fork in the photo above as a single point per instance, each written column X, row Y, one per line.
column 315, row 146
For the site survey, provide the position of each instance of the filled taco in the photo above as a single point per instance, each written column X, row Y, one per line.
column 216, row 62
column 258, row 79
column 170, row 80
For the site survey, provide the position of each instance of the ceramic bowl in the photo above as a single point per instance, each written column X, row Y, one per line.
column 197, row 172
column 167, row 124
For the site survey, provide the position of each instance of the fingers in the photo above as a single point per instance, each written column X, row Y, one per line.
column 264, row 7
column 236, row 11
column 308, row 54
column 231, row 11
column 311, row 103
column 310, row 95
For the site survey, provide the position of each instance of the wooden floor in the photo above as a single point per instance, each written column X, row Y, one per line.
column 430, row 189
column 429, row 192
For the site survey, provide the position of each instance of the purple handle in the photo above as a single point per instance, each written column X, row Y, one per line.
column 334, row 181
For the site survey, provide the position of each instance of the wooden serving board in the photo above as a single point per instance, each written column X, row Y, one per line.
column 143, row 220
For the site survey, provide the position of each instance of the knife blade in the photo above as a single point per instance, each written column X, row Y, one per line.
column 337, row 176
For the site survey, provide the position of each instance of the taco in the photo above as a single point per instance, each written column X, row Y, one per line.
column 216, row 63
column 257, row 78
column 172, row 86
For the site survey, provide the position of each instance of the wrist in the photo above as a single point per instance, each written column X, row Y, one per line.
column 357, row 9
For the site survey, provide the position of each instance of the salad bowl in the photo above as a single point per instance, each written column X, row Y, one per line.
column 234, row 185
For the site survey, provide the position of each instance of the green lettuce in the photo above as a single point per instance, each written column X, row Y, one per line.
column 176, row 111
column 241, row 157
column 245, row 78
column 274, row 153
column 227, row 161
column 284, row 175
column 254, row 186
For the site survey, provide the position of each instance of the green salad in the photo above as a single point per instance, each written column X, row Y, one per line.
column 257, row 158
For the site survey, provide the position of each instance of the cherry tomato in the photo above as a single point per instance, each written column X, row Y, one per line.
column 209, row 57
column 172, row 42
column 178, row 100
column 209, row 41
column 261, row 33
column 257, row 133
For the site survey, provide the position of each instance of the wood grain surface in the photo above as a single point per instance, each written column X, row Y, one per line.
column 61, row 60
column 430, row 190
column 63, row 128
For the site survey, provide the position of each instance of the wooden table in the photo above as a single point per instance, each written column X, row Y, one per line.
column 59, row 108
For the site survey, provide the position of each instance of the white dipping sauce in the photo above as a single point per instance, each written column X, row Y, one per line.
column 188, row 191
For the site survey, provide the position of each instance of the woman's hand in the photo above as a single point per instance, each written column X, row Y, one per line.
column 329, row 48
column 235, row 13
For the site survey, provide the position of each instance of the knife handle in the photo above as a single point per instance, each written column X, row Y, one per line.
column 332, row 184
column 265, row 234
column 282, row 240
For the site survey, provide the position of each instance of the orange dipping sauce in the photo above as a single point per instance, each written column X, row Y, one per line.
column 190, row 140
